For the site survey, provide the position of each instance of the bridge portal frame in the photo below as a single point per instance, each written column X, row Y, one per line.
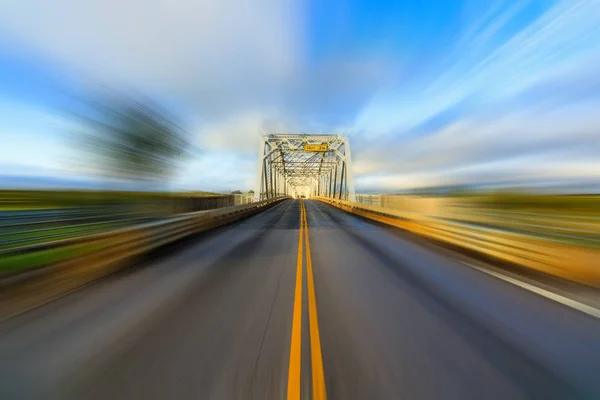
column 309, row 164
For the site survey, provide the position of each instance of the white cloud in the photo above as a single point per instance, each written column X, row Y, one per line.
column 559, row 44
column 221, row 63
column 522, row 110
column 218, row 171
column 524, row 145
column 238, row 132
column 232, row 66
column 213, row 54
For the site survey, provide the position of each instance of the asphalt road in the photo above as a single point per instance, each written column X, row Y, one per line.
column 215, row 319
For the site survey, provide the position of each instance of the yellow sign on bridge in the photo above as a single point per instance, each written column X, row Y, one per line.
column 316, row 147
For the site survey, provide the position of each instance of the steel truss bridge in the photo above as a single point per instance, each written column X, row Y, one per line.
column 305, row 165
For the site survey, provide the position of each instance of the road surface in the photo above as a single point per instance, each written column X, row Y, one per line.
column 376, row 315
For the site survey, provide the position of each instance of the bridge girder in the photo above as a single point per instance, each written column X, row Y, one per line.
column 293, row 164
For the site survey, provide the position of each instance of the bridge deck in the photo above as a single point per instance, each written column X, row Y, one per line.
column 213, row 320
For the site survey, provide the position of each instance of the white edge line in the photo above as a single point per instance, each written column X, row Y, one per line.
column 584, row 308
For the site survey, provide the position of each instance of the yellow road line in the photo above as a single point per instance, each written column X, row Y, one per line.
column 318, row 374
column 293, row 392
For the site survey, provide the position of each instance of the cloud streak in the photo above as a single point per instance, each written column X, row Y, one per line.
column 522, row 110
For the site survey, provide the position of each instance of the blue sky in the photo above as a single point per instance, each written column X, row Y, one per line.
column 432, row 93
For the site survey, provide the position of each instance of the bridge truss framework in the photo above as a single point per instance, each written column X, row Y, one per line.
column 305, row 164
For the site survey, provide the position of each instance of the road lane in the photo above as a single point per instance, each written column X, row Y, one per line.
column 224, row 333
column 295, row 362
column 399, row 320
column 214, row 320
column 319, row 391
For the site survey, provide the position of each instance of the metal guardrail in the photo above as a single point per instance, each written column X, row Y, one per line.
column 564, row 260
column 28, row 227
column 14, row 242
column 106, row 253
column 155, row 226
column 9, row 238
column 18, row 228
column 560, row 228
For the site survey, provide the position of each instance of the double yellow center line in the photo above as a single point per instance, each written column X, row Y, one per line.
column 294, row 376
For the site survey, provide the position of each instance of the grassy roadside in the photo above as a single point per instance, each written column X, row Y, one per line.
column 16, row 233
column 21, row 262
column 14, row 200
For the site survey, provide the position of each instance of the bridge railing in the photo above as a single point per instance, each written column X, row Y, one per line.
column 566, row 222
column 64, row 217
column 571, row 260
column 68, row 264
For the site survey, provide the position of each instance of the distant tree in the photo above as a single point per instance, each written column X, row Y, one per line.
column 251, row 192
column 237, row 192
column 132, row 140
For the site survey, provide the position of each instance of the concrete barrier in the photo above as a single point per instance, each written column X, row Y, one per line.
column 106, row 253
column 567, row 261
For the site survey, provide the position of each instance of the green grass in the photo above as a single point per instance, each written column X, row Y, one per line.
column 40, row 258
column 580, row 205
column 52, row 199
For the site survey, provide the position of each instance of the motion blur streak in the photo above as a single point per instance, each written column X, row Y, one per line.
column 420, row 218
